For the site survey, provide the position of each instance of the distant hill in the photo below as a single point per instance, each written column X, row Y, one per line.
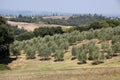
column 10, row 12
column 29, row 13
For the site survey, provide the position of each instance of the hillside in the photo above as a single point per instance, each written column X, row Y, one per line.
column 23, row 69
column 86, row 55
column 74, row 20
column 84, row 46
column 32, row 26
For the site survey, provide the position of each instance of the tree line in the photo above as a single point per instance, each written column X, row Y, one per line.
column 22, row 34
column 75, row 20
column 42, row 32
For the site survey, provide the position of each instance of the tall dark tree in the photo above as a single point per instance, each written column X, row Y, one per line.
column 6, row 37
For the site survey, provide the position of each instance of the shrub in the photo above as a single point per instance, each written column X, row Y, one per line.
column 109, row 53
column 30, row 53
column 116, row 47
column 105, row 46
column 82, row 54
column 52, row 46
column 15, row 49
column 59, row 55
column 64, row 45
column 44, row 52
column 74, row 51
column 115, row 39
column 82, row 57
column 72, row 39
column 92, row 49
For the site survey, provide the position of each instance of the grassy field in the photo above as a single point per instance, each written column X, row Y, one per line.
column 23, row 69
column 109, row 73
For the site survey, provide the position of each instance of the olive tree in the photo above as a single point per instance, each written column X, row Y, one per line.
column 44, row 52
column 59, row 55
column 30, row 53
column 74, row 52
column 82, row 55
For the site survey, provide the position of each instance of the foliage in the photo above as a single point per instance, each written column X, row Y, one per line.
column 64, row 45
column 44, row 52
column 105, row 46
column 59, row 54
column 25, row 36
column 43, row 31
column 56, row 45
column 104, row 24
column 2, row 20
column 116, row 47
column 74, row 51
column 82, row 54
column 28, row 19
column 18, row 31
column 15, row 49
column 77, row 20
column 30, row 53
column 110, row 53
column 6, row 37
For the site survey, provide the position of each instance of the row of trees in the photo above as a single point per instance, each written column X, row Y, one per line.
column 88, row 51
column 28, row 19
column 75, row 20
column 56, row 45
column 96, row 25
column 91, row 51
column 42, row 32
column 22, row 34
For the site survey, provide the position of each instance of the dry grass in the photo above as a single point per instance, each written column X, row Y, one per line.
column 56, row 17
column 75, row 74
column 32, row 26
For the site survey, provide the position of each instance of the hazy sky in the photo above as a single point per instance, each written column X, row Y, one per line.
column 69, row 6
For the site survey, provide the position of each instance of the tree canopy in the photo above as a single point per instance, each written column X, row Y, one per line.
column 6, row 37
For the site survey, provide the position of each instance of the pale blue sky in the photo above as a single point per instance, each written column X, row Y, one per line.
column 69, row 6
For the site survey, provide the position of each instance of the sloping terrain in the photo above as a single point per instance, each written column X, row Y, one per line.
column 32, row 26
column 34, row 69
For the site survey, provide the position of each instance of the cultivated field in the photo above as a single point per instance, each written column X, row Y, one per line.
column 34, row 69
